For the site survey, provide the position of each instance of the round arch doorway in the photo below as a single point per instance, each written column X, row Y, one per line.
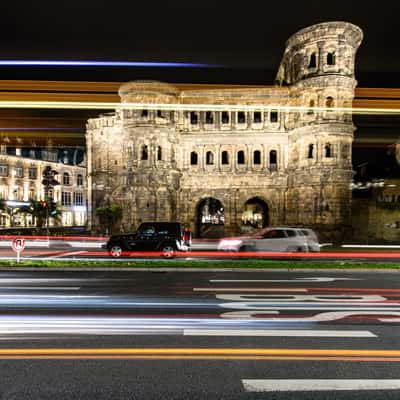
column 255, row 214
column 210, row 218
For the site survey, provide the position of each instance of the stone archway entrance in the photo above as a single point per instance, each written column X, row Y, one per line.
column 210, row 218
column 255, row 214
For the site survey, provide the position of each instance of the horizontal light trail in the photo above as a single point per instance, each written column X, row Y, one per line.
column 295, row 385
column 366, row 246
column 50, row 281
column 293, row 280
column 69, row 253
column 277, row 332
column 55, row 238
column 248, row 289
column 217, row 255
column 202, row 353
column 39, row 288
column 93, row 63
column 46, row 325
column 259, row 306
column 191, row 107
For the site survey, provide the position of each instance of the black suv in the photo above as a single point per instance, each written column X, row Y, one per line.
column 164, row 238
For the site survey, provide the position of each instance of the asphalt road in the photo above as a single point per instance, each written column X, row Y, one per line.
column 199, row 335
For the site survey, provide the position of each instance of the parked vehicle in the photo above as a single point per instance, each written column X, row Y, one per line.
column 164, row 237
column 274, row 239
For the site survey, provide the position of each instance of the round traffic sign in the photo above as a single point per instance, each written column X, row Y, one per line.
column 18, row 244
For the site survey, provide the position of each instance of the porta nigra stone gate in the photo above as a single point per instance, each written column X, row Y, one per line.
column 229, row 161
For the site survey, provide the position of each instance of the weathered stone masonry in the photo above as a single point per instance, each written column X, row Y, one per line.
column 287, row 146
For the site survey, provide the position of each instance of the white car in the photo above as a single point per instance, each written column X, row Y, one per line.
column 271, row 239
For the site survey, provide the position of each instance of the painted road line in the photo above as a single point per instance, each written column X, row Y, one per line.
column 276, row 332
column 294, row 280
column 294, row 385
column 203, row 353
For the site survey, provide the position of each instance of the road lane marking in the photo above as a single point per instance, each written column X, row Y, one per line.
column 294, row 280
column 277, row 332
column 203, row 353
column 294, row 385
column 321, row 317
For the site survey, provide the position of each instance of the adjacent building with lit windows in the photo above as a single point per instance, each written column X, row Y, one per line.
column 21, row 175
column 228, row 161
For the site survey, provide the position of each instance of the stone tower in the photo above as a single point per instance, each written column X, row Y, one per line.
column 151, row 176
column 318, row 64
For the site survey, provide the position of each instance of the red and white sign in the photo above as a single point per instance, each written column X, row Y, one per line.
column 18, row 244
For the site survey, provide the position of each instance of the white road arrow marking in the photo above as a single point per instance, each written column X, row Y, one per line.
column 296, row 280
column 392, row 316
column 294, row 385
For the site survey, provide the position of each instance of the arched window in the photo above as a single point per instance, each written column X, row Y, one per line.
column 329, row 102
column 310, row 151
column 193, row 158
column 330, row 58
column 194, row 118
column 328, row 150
column 313, row 61
column 257, row 117
column 311, row 106
column 209, row 158
column 257, row 157
column 66, row 178
column 240, row 157
column 79, row 180
column 159, row 153
column 144, row 153
column 272, row 159
column 225, row 158
column 274, row 116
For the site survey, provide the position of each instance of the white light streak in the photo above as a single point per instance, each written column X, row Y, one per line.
column 190, row 107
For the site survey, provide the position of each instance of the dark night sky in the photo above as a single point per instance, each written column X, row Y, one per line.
column 247, row 38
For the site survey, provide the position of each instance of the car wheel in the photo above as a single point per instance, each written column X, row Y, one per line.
column 115, row 251
column 168, row 252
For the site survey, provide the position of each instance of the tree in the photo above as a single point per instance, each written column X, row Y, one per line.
column 7, row 209
column 40, row 210
column 109, row 216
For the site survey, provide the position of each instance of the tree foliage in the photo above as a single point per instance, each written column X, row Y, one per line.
column 40, row 210
column 109, row 216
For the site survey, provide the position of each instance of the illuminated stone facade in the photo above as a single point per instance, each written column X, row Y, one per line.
column 254, row 156
column 21, row 175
